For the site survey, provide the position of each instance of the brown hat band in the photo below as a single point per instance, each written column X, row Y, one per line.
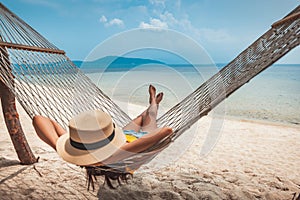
column 95, row 145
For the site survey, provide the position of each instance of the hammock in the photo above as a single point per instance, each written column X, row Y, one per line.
column 46, row 82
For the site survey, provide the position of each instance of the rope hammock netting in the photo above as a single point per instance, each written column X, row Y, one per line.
column 46, row 82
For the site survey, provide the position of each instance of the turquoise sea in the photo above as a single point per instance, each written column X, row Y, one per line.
column 273, row 95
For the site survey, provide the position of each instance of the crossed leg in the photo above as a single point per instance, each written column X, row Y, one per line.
column 147, row 120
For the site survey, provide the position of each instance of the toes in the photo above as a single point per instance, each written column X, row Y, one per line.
column 159, row 97
column 152, row 91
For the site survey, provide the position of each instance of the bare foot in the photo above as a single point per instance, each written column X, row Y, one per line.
column 159, row 97
column 152, row 92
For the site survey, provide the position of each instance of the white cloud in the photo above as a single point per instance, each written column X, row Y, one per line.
column 178, row 20
column 103, row 19
column 168, row 18
column 114, row 22
column 154, row 24
column 185, row 25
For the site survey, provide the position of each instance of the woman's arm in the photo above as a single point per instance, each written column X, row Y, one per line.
column 147, row 140
column 139, row 145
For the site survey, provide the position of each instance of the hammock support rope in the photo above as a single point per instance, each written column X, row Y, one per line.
column 46, row 82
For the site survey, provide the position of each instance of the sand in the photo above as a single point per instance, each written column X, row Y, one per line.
column 251, row 160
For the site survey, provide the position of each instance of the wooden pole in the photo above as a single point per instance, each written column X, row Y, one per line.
column 30, row 48
column 291, row 17
column 11, row 117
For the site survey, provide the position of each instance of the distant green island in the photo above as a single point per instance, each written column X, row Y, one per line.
column 114, row 63
column 117, row 63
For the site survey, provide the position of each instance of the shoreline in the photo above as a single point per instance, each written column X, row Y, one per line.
column 262, row 121
column 238, row 118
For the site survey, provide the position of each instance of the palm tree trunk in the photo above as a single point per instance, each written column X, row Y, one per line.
column 11, row 117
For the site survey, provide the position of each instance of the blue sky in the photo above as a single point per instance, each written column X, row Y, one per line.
column 223, row 28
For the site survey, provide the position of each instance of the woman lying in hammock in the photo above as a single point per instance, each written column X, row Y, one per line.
column 94, row 140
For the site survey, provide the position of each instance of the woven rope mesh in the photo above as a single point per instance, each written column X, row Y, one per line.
column 49, row 84
column 258, row 56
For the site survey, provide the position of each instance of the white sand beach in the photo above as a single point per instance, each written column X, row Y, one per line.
column 178, row 46
column 251, row 160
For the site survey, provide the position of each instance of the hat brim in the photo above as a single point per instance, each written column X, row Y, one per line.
column 88, row 157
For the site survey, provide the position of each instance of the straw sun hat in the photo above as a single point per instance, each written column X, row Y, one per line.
column 91, row 139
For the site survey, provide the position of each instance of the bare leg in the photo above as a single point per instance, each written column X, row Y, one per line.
column 48, row 130
column 149, row 119
column 137, row 123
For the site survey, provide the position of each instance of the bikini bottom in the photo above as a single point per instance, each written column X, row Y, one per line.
column 132, row 135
